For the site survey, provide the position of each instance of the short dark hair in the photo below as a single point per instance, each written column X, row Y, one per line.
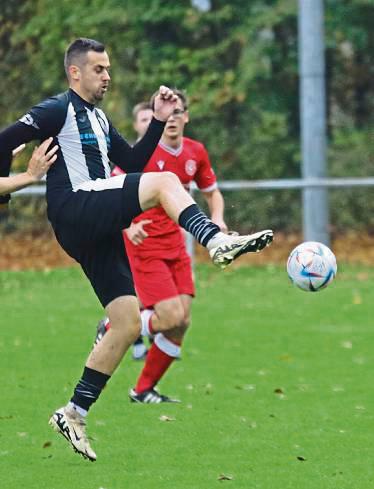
column 80, row 47
column 179, row 93
column 139, row 107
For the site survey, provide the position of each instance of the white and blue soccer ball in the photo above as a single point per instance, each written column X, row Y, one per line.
column 311, row 266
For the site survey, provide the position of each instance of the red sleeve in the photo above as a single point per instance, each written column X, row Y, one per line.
column 205, row 177
column 117, row 171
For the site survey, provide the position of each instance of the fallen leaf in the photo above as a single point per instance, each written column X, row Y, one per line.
column 302, row 459
column 224, row 477
column 278, row 391
column 47, row 444
column 163, row 417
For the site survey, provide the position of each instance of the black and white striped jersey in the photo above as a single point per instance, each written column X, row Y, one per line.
column 87, row 143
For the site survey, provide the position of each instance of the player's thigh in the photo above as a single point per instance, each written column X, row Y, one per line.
column 154, row 280
column 89, row 216
column 107, row 268
column 181, row 269
column 151, row 185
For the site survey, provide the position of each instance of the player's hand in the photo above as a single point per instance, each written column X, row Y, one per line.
column 41, row 160
column 17, row 150
column 165, row 103
column 136, row 232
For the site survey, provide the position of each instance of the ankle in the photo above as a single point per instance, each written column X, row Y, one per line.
column 216, row 240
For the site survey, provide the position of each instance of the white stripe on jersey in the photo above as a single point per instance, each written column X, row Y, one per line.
column 71, row 148
column 101, row 184
column 97, row 129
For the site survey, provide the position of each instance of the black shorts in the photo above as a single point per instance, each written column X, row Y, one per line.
column 89, row 228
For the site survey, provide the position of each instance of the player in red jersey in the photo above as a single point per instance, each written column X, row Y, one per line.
column 159, row 261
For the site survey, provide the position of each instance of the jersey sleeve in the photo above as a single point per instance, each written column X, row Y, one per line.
column 134, row 158
column 117, row 171
column 205, row 177
column 42, row 121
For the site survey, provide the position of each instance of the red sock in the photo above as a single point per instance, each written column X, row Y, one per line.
column 156, row 364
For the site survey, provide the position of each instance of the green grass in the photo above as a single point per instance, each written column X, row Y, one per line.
column 276, row 383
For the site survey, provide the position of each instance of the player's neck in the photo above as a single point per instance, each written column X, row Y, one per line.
column 82, row 95
column 174, row 143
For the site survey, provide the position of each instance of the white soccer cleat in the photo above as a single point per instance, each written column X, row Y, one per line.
column 72, row 426
column 231, row 247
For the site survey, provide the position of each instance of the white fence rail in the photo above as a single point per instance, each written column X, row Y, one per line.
column 280, row 184
column 291, row 183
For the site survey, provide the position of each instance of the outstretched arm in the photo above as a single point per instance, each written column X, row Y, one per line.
column 134, row 158
column 216, row 206
column 39, row 164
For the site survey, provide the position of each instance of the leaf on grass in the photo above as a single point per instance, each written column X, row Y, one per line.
column 163, row 417
column 285, row 358
column 302, row 459
column 278, row 390
column 224, row 477
column 47, row 444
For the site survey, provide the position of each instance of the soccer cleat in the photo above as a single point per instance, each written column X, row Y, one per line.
column 139, row 351
column 150, row 396
column 101, row 329
column 72, row 426
column 232, row 247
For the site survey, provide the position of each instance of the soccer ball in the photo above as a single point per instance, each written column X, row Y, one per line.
column 311, row 266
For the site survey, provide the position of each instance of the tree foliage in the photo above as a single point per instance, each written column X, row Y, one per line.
column 237, row 62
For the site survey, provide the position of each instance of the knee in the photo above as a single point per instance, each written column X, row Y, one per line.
column 168, row 179
column 185, row 322
column 128, row 325
column 173, row 317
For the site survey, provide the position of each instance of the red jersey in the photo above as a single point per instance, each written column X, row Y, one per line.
column 190, row 162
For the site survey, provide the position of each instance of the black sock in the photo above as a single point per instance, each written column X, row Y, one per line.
column 138, row 341
column 193, row 220
column 89, row 388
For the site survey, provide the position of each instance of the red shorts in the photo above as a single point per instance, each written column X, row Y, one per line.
column 158, row 279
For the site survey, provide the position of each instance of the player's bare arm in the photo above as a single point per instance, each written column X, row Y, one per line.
column 39, row 164
column 216, row 206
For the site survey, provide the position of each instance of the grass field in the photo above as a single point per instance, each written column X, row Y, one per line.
column 277, row 387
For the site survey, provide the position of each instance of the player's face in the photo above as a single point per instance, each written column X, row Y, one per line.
column 142, row 121
column 175, row 124
column 94, row 76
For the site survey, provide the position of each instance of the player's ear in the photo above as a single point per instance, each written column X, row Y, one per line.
column 74, row 72
column 186, row 117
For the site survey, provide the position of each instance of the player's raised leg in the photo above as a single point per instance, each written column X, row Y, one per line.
column 166, row 190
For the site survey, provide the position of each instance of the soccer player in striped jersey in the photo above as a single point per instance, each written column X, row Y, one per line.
column 88, row 210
